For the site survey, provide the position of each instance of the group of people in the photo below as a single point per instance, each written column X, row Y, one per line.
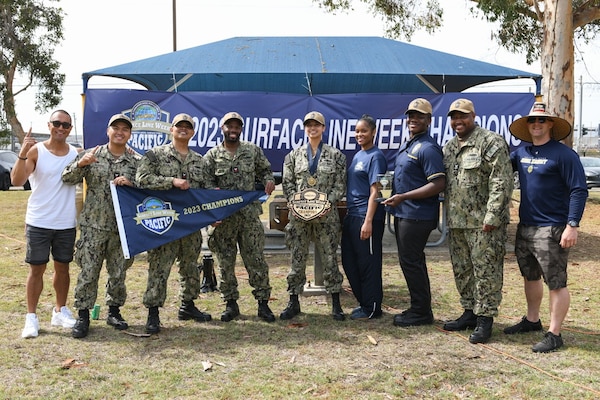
column 474, row 171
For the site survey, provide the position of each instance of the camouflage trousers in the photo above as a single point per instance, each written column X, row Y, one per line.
column 248, row 233
column 93, row 247
column 478, row 266
column 185, row 251
column 326, row 236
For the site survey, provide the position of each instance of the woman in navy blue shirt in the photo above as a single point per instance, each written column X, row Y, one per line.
column 362, row 231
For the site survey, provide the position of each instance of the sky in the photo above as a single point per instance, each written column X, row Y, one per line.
column 100, row 34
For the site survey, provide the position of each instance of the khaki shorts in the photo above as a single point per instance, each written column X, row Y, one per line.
column 539, row 254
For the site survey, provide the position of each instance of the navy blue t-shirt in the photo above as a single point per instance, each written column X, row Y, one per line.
column 363, row 171
column 419, row 161
column 553, row 188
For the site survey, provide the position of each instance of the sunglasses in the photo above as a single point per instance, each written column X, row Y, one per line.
column 65, row 125
column 541, row 120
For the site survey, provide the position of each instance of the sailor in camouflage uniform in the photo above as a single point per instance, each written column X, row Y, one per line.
column 321, row 167
column 239, row 165
column 99, row 236
column 173, row 165
column 478, row 191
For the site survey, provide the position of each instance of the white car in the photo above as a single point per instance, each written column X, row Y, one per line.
column 591, row 166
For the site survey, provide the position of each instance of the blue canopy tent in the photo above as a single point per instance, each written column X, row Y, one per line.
column 310, row 65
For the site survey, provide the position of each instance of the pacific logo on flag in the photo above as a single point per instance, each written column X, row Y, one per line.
column 156, row 215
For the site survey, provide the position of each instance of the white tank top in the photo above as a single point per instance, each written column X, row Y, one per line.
column 51, row 204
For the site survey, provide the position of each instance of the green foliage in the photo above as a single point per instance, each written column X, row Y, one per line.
column 402, row 18
column 520, row 29
column 29, row 31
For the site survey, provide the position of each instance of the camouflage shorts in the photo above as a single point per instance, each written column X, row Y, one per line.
column 539, row 254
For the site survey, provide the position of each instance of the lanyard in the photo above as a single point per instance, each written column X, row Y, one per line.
column 313, row 162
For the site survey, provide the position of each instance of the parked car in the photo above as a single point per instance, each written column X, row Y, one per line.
column 591, row 166
column 7, row 160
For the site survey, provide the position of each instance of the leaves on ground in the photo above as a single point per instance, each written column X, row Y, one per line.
column 72, row 363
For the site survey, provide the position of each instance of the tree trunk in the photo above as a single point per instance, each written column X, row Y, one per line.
column 8, row 102
column 558, row 60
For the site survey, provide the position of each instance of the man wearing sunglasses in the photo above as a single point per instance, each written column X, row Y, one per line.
column 50, row 218
column 553, row 195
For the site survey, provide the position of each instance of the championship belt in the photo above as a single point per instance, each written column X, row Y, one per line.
column 309, row 204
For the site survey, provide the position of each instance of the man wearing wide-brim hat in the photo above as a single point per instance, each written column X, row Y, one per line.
column 559, row 128
column 553, row 195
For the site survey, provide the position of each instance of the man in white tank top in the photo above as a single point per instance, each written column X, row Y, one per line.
column 50, row 218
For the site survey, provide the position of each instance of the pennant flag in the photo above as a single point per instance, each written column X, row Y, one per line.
column 149, row 218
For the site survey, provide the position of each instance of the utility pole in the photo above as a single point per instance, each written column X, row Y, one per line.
column 577, row 137
column 174, row 25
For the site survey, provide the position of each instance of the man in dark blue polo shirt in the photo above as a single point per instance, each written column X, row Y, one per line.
column 419, row 177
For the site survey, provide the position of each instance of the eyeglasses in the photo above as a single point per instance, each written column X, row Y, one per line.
column 541, row 120
column 65, row 125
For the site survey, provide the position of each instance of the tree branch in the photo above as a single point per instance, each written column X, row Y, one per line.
column 586, row 13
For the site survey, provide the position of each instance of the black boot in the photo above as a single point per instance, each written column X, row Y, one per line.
column 336, row 307
column 209, row 279
column 483, row 331
column 115, row 319
column 292, row 309
column 468, row 320
column 231, row 311
column 189, row 311
column 153, row 322
column 82, row 326
column 264, row 312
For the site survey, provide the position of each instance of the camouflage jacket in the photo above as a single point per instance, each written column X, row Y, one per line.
column 98, row 211
column 330, row 174
column 161, row 164
column 239, row 171
column 479, row 180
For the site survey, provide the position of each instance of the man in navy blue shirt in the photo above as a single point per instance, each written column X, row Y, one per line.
column 419, row 176
column 553, row 195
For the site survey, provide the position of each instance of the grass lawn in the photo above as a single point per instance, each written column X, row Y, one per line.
column 312, row 356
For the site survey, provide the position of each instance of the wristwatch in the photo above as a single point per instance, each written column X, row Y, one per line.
column 573, row 223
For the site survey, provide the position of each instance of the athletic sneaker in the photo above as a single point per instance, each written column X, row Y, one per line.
column 63, row 318
column 32, row 326
column 523, row 326
column 549, row 343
